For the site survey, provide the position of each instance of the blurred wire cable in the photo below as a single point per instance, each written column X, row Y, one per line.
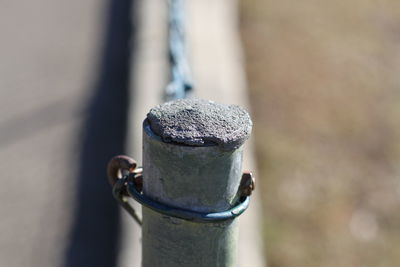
column 181, row 83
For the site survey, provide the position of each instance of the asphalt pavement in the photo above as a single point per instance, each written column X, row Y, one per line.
column 63, row 102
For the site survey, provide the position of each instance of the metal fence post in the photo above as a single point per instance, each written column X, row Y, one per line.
column 192, row 159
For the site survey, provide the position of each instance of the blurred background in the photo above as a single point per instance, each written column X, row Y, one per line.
column 324, row 86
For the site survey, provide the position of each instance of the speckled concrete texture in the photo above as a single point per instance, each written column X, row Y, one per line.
column 198, row 122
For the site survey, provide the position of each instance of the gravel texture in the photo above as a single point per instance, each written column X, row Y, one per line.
column 197, row 122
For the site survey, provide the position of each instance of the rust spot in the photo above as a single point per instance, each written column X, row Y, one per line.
column 247, row 184
column 118, row 164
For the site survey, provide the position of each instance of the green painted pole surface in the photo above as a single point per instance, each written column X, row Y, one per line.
column 202, row 178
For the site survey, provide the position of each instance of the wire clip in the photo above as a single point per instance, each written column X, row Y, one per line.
column 127, row 181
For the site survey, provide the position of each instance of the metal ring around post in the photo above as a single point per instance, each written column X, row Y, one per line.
column 185, row 214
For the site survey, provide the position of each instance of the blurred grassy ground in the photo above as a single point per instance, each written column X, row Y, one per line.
column 325, row 91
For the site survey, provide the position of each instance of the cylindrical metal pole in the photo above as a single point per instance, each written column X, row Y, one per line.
column 192, row 159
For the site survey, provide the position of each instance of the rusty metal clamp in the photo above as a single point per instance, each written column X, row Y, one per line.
column 120, row 169
column 127, row 181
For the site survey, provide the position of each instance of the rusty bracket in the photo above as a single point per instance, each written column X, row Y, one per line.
column 247, row 184
column 121, row 170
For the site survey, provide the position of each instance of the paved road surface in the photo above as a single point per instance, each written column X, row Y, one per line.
column 63, row 98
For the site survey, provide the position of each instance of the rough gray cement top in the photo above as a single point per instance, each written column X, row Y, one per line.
column 197, row 122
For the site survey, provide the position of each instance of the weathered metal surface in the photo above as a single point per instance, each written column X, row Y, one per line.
column 199, row 178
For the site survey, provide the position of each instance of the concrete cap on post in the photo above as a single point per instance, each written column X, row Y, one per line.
column 192, row 159
column 197, row 122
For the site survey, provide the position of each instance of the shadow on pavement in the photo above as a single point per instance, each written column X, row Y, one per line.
column 95, row 230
